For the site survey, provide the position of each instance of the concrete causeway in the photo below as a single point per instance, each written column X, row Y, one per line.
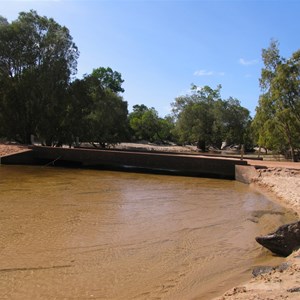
column 183, row 164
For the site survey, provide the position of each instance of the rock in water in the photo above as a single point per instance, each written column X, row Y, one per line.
column 283, row 241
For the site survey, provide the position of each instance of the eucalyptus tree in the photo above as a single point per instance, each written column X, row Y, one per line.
column 37, row 59
column 202, row 117
column 195, row 116
column 277, row 119
column 105, row 120
column 109, row 79
column 234, row 122
column 3, row 21
column 145, row 124
column 75, row 124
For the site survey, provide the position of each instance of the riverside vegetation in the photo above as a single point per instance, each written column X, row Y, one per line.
column 40, row 96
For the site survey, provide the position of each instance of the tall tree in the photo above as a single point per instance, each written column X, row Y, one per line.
column 277, row 119
column 109, row 79
column 204, row 118
column 145, row 124
column 233, row 121
column 37, row 59
column 79, row 106
column 3, row 21
column 106, row 119
column 195, row 117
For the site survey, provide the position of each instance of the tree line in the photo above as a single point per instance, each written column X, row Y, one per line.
column 40, row 96
column 276, row 124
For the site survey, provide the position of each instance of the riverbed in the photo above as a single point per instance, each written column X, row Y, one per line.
column 84, row 234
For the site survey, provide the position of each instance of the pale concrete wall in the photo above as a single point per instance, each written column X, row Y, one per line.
column 245, row 174
column 180, row 163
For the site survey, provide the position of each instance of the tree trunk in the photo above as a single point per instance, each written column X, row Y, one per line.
column 290, row 143
column 201, row 145
column 27, row 139
column 48, row 142
column 259, row 151
column 293, row 156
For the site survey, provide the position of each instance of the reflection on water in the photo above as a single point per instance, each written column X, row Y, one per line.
column 111, row 235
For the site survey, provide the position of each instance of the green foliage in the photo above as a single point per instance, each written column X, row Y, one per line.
column 109, row 79
column 108, row 120
column 277, row 120
column 166, row 129
column 3, row 21
column 79, row 105
column 102, row 112
column 145, row 124
column 37, row 96
column 204, row 118
column 234, row 121
column 37, row 58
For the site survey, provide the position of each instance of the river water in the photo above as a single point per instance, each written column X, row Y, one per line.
column 89, row 234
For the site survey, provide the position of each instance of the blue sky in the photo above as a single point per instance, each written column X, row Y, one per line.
column 161, row 47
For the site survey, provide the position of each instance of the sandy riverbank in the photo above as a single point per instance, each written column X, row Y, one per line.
column 282, row 180
column 283, row 282
column 6, row 149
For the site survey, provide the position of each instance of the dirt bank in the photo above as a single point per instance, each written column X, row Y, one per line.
column 281, row 283
column 6, row 149
column 283, row 182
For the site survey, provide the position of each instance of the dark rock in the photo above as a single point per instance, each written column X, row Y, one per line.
column 261, row 270
column 294, row 290
column 283, row 241
column 284, row 266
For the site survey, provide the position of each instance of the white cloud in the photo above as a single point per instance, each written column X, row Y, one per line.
column 208, row 73
column 203, row 73
column 245, row 62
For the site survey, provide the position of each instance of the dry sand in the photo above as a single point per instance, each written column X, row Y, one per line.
column 283, row 180
column 6, row 149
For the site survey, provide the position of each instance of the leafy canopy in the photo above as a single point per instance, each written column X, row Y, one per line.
column 277, row 119
column 37, row 59
column 202, row 117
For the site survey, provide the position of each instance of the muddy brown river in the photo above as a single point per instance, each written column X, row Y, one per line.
column 90, row 234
